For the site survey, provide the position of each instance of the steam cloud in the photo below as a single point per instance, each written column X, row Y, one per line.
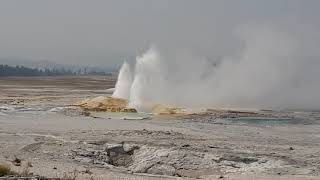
column 270, row 71
column 123, row 85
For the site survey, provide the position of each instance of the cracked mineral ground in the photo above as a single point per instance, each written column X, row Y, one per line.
column 38, row 127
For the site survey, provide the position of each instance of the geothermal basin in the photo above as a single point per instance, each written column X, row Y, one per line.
column 40, row 126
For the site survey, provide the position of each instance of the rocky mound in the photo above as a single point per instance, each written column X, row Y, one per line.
column 106, row 104
column 112, row 104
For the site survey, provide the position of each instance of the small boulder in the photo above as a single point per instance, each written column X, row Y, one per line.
column 162, row 169
column 120, row 154
column 129, row 148
column 114, row 149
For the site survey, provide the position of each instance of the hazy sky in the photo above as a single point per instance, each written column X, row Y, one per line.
column 110, row 31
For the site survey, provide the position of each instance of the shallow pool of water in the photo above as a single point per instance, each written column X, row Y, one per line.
column 268, row 121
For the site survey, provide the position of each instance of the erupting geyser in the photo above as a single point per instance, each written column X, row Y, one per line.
column 270, row 71
column 123, row 85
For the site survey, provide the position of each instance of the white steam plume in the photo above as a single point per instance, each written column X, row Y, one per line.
column 123, row 85
column 270, row 71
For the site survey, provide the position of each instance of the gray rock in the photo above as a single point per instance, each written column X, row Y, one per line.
column 120, row 154
column 130, row 147
column 162, row 169
column 114, row 149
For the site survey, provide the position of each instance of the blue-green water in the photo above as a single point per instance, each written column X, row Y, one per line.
column 267, row 121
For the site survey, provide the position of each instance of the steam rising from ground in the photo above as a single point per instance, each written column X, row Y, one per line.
column 124, row 82
column 269, row 71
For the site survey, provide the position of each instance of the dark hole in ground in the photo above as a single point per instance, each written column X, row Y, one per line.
column 120, row 155
column 246, row 160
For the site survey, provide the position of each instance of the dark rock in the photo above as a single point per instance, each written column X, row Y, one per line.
column 16, row 161
column 120, row 154
column 114, row 149
column 185, row 145
column 87, row 171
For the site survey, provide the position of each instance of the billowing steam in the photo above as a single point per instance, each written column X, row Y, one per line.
column 269, row 72
column 123, row 85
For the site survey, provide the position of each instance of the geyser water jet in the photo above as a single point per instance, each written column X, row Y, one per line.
column 123, row 85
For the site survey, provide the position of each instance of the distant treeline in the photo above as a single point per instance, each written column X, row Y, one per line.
column 6, row 70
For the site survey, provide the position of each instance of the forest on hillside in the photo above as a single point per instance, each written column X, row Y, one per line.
column 6, row 70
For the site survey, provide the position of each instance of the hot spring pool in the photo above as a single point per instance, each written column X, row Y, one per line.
column 267, row 121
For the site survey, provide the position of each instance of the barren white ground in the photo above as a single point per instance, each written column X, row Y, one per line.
column 36, row 128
